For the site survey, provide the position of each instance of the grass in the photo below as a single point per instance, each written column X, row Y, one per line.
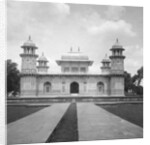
column 67, row 129
column 130, row 112
column 17, row 112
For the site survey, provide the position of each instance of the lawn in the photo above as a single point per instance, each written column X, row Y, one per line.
column 67, row 129
column 16, row 112
column 130, row 112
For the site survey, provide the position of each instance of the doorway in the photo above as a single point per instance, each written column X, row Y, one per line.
column 74, row 88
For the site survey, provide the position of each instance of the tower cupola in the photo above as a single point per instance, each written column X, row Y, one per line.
column 29, row 47
column 105, row 65
column 117, row 50
column 117, row 58
column 29, row 57
column 42, row 64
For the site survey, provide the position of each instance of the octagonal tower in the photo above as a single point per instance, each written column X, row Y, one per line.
column 42, row 66
column 29, row 57
column 28, row 69
column 117, row 70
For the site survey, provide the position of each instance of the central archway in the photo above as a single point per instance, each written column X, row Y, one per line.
column 74, row 88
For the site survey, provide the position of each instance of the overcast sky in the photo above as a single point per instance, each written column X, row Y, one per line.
column 55, row 27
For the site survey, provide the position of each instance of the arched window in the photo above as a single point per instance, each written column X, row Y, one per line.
column 100, row 87
column 47, row 87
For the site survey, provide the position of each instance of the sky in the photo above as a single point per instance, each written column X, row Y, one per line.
column 55, row 27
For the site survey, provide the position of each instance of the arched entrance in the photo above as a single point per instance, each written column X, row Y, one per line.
column 47, row 87
column 100, row 87
column 74, row 88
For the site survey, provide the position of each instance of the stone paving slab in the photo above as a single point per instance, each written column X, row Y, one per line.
column 95, row 123
column 36, row 128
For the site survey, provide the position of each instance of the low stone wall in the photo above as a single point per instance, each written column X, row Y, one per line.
column 74, row 99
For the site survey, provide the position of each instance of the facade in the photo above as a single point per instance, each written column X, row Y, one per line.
column 74, row 78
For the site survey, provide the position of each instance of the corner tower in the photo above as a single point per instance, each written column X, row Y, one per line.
column 28, row 69
column 117, row 58
column 105, row 65
column 28, row 57
column 42, row 66
column 117, row 70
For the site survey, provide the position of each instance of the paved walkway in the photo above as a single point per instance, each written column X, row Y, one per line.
column 94, row 123
column 37, row 127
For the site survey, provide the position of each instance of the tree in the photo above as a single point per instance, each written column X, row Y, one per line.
column 140, row 75
column 128, row 81
column 13, row 78
column 133, row 83
column 136, row 79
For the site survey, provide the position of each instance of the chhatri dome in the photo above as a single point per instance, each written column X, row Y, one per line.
column 106, row 59
column 29, row 43
column 42, row 66
column 42, row 58
column 74, row 56
column 117, row 45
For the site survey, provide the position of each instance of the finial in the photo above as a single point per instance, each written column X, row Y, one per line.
column 117, row 41
column 78, row 49
column 29, row 37
column 106, row 55
column 70, row 49
column 42, row 53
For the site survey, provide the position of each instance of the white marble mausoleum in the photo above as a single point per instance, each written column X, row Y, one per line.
column 75, row 78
